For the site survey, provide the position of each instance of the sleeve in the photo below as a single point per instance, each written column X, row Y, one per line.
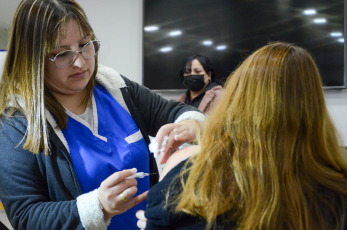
column 160, row 211
column 156, row 212
column 157, row 111
column 91, row 214
column 23, row 187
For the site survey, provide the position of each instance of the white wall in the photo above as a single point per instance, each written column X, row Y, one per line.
column 118, row 24
column 337, row 105
column 2, row 60
column 4, row 33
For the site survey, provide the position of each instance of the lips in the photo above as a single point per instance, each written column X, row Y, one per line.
column 79, row 74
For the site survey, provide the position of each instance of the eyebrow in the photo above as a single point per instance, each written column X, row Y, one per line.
column 66, row 46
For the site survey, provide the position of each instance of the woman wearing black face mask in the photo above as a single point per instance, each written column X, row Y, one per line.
column 197, row 74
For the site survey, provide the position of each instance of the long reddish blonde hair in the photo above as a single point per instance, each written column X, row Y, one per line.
column 270, row 153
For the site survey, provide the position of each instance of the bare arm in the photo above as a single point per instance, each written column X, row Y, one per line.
column 177, row 157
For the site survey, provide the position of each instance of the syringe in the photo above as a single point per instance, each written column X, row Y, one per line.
column 139, row 175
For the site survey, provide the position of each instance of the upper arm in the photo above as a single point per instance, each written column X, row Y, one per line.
column 155, row 110
column 177, row 157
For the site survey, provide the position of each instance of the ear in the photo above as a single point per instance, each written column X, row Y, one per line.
column 210, row 74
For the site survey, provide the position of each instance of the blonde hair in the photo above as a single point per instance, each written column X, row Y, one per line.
column 37, row 27
column 270, row 153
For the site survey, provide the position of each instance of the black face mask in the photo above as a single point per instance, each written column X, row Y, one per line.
column 194, row 82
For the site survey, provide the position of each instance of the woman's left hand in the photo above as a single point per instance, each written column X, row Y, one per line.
column 142, row 220
column 176, row 135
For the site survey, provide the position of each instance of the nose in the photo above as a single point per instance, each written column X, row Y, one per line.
column 79, row 60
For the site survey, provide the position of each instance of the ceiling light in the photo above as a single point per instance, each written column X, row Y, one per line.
column 221, row 47
column 319, row 20
column 341, row 40
column 207, row 42
column 151, row 28
column 175, row 33
column 335, row 34
column 309, row 12
column 166, row 49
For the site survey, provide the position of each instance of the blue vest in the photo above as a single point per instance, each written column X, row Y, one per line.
column 121, row 146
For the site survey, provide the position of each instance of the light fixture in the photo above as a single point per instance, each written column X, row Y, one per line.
column 341, row 40
column 335, row 34
column 207, row 42
column 309, row 12
column 221, row 47
column 319, row 20
column 175, row 33
column 166, row 49
column 151, row 28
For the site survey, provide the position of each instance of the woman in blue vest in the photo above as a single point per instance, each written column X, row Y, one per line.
column 73, row 131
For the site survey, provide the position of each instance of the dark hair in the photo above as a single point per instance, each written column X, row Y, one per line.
column 204, row 61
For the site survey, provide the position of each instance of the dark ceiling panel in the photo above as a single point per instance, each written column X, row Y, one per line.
column 243, row 26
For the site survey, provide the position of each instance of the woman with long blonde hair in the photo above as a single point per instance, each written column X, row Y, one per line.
column 269, row 156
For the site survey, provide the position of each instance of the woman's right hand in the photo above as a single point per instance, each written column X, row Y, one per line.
column 116, row 193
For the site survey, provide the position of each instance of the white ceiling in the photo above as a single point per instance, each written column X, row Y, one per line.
column 7, row 9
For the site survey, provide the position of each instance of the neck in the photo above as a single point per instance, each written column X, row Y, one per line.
column 194, row 94
column 73, row 102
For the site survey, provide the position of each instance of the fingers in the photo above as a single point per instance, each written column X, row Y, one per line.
column 138, row 199
column 171, row 145
column 117, row 201
column 181, row 135
column 171, row 136
column 126, row 196
column 140, row 214
column 132, row 201
column 117, row 177
column 184, row 131
column 187, row 130
column 116, row 193
column 165, row 130
column 141, row 223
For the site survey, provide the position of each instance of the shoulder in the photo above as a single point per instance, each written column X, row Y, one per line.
column 14, row 120
column 218, row 89
column 177, row 157
column 113, row 82
column 109, row 78
column 182, row 97
column 13, row 130
column 215, row 93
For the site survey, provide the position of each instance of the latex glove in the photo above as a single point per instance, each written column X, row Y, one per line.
column 171, row 136
column 116, row 193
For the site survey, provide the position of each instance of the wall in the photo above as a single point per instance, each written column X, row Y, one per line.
column 118, row 24
column 4, row 33
column 337, row 105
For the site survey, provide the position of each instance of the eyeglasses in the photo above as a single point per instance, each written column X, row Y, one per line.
column 67, row 57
